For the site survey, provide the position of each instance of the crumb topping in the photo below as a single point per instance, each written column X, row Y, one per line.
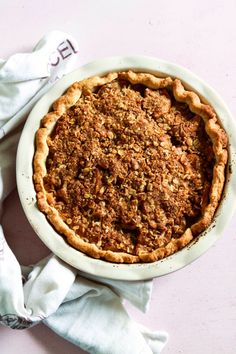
column 129, row 168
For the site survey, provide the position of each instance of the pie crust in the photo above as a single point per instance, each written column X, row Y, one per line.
column 121, row 209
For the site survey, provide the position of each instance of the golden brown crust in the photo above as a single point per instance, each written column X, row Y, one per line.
column 214, row 131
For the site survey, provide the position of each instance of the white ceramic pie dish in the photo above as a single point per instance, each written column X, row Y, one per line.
column 55, row 242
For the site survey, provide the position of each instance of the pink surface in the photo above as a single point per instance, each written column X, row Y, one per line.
column 196, row 305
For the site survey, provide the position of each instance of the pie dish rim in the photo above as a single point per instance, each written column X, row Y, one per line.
column 57, row 244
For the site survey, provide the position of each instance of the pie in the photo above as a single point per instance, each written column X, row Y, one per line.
column 129, row 167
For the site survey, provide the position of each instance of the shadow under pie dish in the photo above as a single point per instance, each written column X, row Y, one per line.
column 130, row 167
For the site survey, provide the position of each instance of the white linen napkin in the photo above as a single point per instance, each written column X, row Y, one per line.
column 84, row 309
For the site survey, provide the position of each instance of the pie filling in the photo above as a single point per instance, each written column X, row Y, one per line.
column 129, row 168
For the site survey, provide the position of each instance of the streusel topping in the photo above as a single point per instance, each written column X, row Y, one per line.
column 129, row 167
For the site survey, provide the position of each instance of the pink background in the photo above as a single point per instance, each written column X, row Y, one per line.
column 196, row 305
